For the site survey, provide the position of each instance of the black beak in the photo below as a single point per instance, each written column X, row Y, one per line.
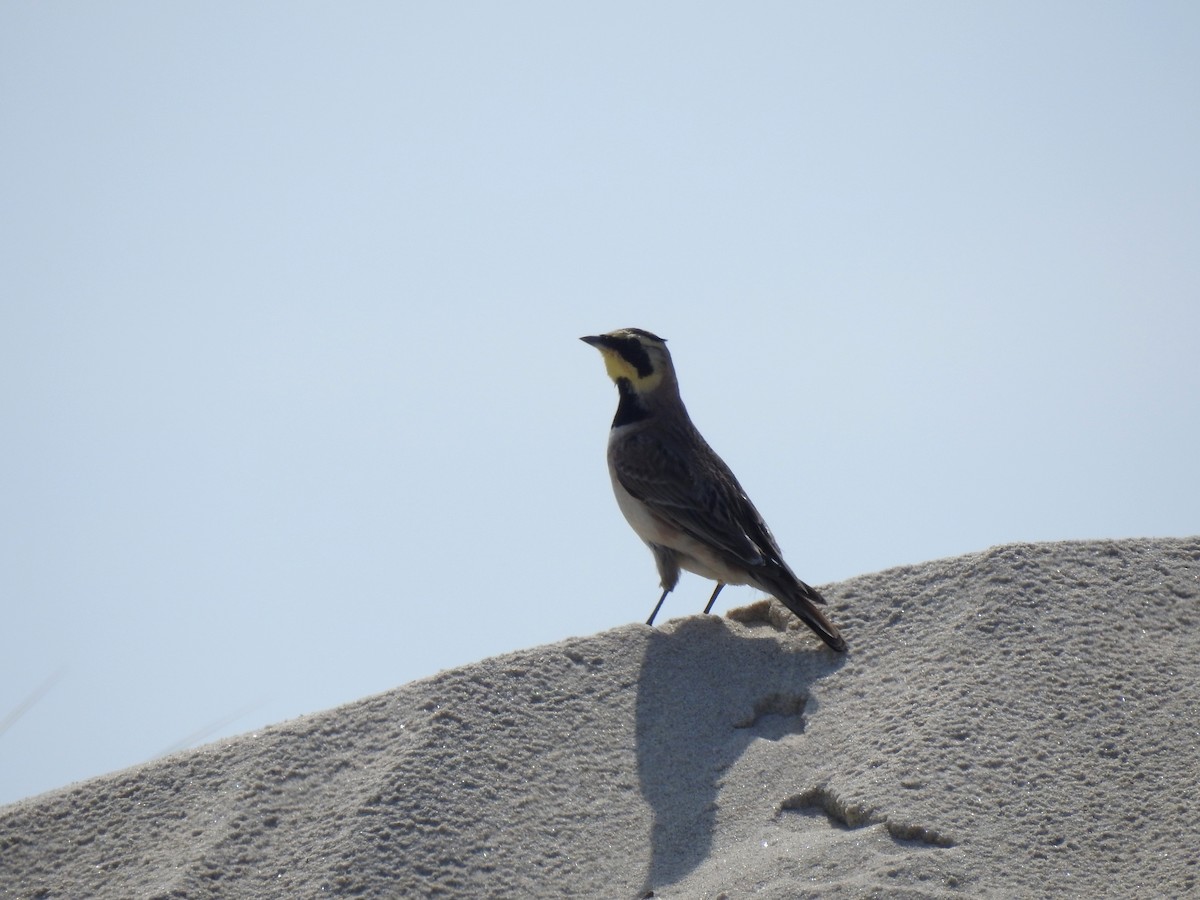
column 596, row 340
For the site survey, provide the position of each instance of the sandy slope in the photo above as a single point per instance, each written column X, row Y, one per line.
column 1020, row 722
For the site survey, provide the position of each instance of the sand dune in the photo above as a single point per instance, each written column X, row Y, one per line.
column 1019, row 722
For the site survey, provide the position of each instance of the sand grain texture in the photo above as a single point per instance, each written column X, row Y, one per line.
column 1018, row 722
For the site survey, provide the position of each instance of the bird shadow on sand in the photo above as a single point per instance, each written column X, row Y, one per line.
column 707, row 689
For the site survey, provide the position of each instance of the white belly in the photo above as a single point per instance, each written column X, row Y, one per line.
column 693, row 555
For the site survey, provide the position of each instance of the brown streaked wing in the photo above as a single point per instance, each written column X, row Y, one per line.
column 708, row 505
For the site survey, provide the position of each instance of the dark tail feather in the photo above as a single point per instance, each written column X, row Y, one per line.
column 801, row 599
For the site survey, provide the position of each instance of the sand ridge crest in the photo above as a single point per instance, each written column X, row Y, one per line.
column 1016, row 722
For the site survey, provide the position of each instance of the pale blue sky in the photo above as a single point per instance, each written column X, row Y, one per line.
column 294, row 407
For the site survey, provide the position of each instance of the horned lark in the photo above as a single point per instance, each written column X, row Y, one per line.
column 679, row 496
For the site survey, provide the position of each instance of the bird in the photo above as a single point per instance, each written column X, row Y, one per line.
column 679, row 496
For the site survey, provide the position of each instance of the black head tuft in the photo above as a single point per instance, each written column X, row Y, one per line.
column 646, row 334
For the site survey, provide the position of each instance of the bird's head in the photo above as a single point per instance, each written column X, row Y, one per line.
column 634, row 356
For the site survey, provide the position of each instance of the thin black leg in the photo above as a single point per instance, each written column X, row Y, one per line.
column 713, row 598
column 657, row 606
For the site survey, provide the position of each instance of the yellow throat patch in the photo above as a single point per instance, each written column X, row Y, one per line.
column 618, row 367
